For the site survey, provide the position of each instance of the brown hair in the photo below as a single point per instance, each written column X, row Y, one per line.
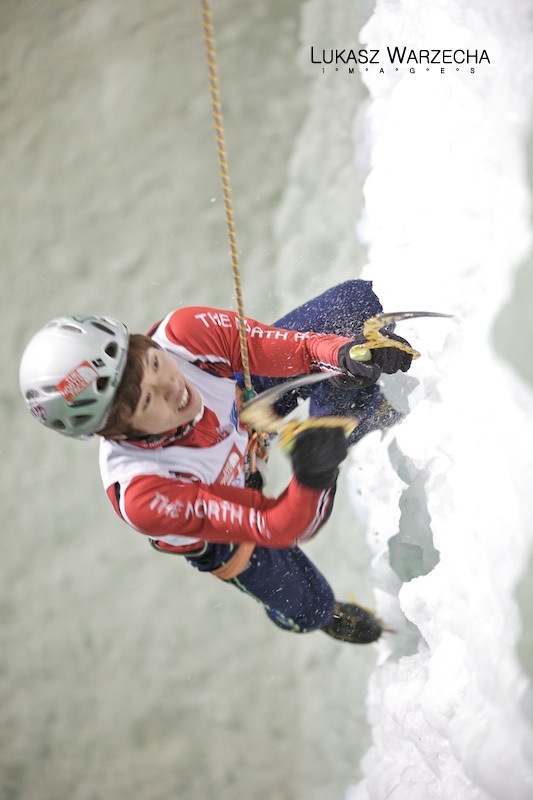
column 118, row 423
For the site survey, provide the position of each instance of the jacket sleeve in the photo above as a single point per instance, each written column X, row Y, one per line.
column 158, row 506
column 212, row 336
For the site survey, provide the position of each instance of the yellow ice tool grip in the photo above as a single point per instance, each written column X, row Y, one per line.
column 376, row 338
column 290, row 430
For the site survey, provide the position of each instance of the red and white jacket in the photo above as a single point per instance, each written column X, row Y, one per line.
column 192, row 490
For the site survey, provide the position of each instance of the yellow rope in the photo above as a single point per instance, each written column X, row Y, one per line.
column 226, row 188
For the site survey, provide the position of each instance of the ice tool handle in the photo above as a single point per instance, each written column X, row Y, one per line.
column 259, row 413
column 376, row 337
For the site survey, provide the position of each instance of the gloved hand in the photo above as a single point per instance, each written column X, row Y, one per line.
column 357, row 374
column 316, row 455
column 392, row 359
column 364, row 373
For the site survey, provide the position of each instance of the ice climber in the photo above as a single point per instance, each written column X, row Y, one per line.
column 174, row 455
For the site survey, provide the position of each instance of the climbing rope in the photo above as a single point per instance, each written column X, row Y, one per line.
column 209, row 36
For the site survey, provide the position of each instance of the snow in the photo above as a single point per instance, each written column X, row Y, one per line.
column 446, row 497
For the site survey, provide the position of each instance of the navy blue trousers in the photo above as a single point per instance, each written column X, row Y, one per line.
column 295, row 594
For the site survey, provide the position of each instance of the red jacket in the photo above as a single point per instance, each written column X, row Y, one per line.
column 192, row 490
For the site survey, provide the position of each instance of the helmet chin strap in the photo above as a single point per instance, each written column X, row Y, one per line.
column 152, row 440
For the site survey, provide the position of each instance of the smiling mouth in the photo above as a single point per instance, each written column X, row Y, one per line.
column 184, row 399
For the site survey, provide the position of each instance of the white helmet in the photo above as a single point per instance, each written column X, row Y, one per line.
column 71, row 370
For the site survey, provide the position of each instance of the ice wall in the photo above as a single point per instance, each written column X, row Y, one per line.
column 447, row 495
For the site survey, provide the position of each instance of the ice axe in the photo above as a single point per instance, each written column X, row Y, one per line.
column 259, row 413
column 376, row 336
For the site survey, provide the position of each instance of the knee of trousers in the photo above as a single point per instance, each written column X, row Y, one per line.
column 313, row 612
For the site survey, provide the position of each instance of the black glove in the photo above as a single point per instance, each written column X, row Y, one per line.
column 316, row 456
column 392, row 359
column 365, row 373
column 358, row 374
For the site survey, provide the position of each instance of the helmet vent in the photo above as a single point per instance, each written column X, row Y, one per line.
column 103, row 328
column 80, row 403
column 81, row 420
column 64, row 326
column 57, row 425
column 102, row 384
column 111, row 350
column 31, row 394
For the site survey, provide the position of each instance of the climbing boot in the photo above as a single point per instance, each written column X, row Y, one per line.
column 353, row 624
